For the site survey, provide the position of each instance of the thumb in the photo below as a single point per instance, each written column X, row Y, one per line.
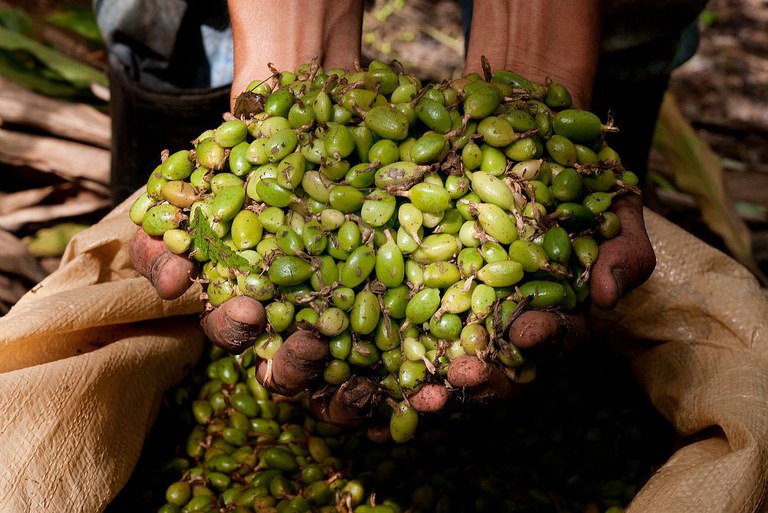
column 626, row 261
column 296, row 364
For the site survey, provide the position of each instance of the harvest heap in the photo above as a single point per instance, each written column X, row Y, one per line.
column 407, row 224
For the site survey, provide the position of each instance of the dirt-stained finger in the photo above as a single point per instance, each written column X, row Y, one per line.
column 626, row 261
column 497, row 387
column 480, row 381
column 548, row 334
column 467, row 371
column 430, row 397
column 296, row 364
column 169, row 273
column 236, row 324
column 350, row 405
column 378, row 433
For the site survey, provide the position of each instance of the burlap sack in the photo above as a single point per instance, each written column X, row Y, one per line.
column 86, row 356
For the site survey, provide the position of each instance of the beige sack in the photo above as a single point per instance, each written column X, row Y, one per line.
column 86, row 357
column 700, row 332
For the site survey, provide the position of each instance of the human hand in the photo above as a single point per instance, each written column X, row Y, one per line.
column 512, row 35
column 542, row 40
column 284, row 35
column 299, row 363
column 235, row 326
column 289, row 34
column 623, row 264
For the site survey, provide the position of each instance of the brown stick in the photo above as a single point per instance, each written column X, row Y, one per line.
column 75, row 121
column 83, row 203
column 68, row 159
column 22, row 199
column 15, row 259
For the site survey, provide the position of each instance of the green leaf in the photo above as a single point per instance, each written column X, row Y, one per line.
column 708, row 17
column 698, row 171
column 208, row 244
column 32, row 77
column 751, row 210
column 17, row 21
column 71, row 70
column 661, row 181
column 80, row 21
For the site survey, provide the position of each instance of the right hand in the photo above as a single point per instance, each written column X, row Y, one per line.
column 285, row 39
column 234, row 326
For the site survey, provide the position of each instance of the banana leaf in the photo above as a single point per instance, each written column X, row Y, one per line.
column 17, row 21
column 31, row 77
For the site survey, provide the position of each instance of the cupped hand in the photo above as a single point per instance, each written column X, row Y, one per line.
column 235, row 326
column 623, row 264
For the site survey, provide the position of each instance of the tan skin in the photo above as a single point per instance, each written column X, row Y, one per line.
column 510, row 35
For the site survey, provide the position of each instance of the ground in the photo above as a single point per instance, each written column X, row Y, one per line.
column 723, row 91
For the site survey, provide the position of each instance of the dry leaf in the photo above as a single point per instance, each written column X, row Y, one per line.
column 68, row 159
column 81, row 204
column 698, row 171
column 75, row 121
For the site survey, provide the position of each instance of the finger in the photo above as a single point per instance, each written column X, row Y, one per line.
column 479, row 380
column 298, row 362
column 548, row 334
column 467, row 371
column 626, row 261
column 236, row 324
column 350, row 405
column 497, row 387
column 430, row 397
column 169, row 273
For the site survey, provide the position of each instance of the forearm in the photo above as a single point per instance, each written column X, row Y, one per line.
column 556, row 39
column 289, row 33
